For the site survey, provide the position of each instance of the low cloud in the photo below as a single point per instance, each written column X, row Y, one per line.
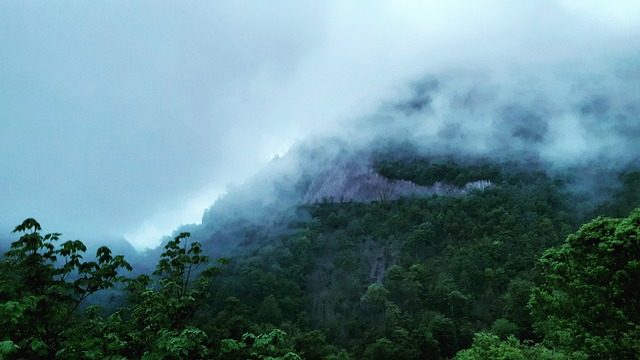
column 124, row 118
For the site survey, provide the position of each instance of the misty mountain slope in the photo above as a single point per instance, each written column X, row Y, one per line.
column 279, row 194
column 427, row 217
column 347, row 262
column 577, row 123
column 360, row 182
column 454, row 180
column 401, row 240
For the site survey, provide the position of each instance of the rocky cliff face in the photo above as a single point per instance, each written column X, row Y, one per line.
column 327, row 171
column 358, row 181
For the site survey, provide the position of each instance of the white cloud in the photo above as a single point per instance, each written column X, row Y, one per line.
column 111, row 111
column 163, row 222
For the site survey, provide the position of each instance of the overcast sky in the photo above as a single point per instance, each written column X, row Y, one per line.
column 129, row 118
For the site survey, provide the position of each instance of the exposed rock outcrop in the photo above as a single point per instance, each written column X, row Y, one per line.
column 358, row 181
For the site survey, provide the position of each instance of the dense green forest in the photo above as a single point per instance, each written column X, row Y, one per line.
column 507, row 272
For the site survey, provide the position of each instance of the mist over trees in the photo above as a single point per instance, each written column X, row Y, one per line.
column 501, row 271
column 476, row 217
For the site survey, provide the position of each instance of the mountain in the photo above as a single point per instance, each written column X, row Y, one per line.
column 444, row 221
column 359, row 182
column 408, row 231
column 580, row 130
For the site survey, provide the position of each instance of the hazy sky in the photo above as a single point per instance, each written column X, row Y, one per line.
column 129, row 118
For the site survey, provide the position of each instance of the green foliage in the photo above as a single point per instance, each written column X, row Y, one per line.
column 161, row 318
column 313, row 344
column 43, row 285
column 173, row 344
column 516, row 300
column 7, row 347
column 414, row 278
column 445, row 333
column 381, row 349
column 488, row 346
column 589, row 299
column 273, row 345
column 623, row 199
column 422, row 273
column 504, row 328
column 427, row 171
column 269, row 311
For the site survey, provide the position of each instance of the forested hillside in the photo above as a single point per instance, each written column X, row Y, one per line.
column 501, row 271
column 322, row 180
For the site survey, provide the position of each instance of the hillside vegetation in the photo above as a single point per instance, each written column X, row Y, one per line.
column 506, row 271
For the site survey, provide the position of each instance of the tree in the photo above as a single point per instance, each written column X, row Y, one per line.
column 381, row 349
column 274, row 345
column 161, row 319
column 515, row 309
column 269, row 311
column 589, row 299
column 43, row 284
column 504, row 328
column 444, row 331
column 488, row 346
column 158, row 322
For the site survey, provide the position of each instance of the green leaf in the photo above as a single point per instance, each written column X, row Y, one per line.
column 7, row 347
column 28, row 224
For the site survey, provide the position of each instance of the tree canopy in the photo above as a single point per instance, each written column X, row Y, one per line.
column 589, row 299
column 499, row 273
